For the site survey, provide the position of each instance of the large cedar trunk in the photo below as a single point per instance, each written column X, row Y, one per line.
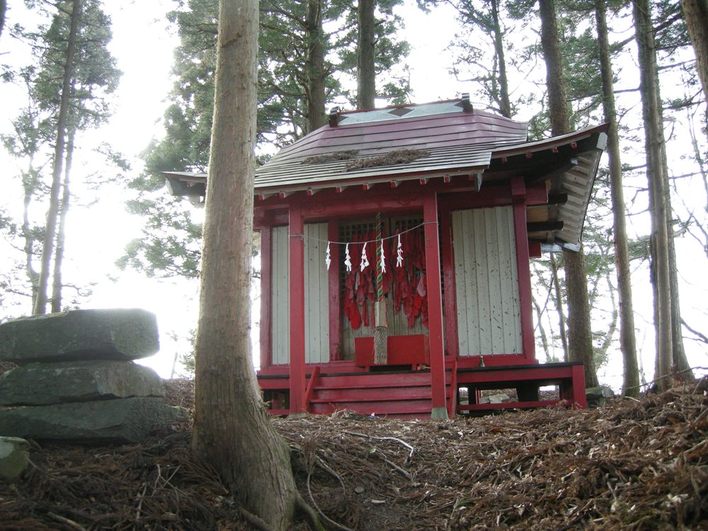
column 627, row 338
column 40, row 303
column 366, row 74
column 231, row 430
column 504, row 102
column 579, row 323
column 658, row 190
column 315, row 67
column 695, row 13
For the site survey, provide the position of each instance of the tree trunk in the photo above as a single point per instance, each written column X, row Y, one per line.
column 231, row 430
column 40, row 306
column 3, row 9
column 61, row 231
column 366, row 74
column 579, row 323
column 695, row 13
column 628, row 343
column 315, row 67
column 679, row 361
column 559, row 306
column 658, row 189
column 504, row 101
column 29, row 184
column 541, row 329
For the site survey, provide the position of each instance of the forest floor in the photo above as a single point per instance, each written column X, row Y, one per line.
column 628, row 464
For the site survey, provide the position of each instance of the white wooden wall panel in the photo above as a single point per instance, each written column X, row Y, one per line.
column 316, row 294
column 486, row 281
column 280, row 299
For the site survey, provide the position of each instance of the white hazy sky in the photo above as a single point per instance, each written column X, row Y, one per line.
column 143, row 45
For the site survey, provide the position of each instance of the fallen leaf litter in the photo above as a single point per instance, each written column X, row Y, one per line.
column 629, row 464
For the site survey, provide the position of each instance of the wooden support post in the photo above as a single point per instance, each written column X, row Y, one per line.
column 266, row 298
column 523, row 271
column 579, row 396
column 452, row 346
column 335, row 318
column 452, row 402
column 435, row 317
column 297, row 311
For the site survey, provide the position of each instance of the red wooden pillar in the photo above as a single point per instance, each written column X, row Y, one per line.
column 518, row 196
column 335, row 319
column 435, row 317
column 452, row 346
column 266, row 297
column 296, row 287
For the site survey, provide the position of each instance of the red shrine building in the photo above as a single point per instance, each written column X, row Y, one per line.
column 395, row 248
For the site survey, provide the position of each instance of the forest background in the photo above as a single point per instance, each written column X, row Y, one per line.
column 143, row 104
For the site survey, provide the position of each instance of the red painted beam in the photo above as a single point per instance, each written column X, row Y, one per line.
column 518, row 192
column 297, row 311
column 435, row 315
column 266, row 297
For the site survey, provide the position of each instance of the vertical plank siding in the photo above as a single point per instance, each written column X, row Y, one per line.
column 488, row 313
column 280, row 300
column 316, row 295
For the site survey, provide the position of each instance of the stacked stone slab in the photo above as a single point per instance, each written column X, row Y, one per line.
column 76, row 379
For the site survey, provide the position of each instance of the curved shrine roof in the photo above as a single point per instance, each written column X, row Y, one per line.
column 440, row 139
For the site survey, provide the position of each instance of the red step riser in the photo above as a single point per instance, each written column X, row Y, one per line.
column 374, row 380
column 420, row 407
column 381, row 394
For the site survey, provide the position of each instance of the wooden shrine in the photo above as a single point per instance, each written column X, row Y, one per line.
column 457, row 201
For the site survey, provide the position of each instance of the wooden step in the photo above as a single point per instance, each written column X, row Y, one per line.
column 371, row 393
column 372, row 380
column 409, row 407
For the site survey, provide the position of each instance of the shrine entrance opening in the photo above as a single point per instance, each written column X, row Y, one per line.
column 403, row 286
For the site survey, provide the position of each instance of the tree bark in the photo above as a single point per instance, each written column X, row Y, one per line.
column 579, row 323
column 3, row 9
column 366, row 74
column 40, row 306
column 504, row 101
column 29, row 184
column 231, row 430
column 628, row 343
column 315, row 67
column 559, row 306
column 658, row 189
column 695, row 13
column 57, row 281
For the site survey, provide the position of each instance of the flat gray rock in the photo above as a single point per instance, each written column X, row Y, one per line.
column 120, row 334
column 14, row 457
column 77, row 381
column 103, row 421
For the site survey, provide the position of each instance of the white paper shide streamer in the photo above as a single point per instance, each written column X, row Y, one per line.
column 347, row 259
column 364, row 260
column 328, row 257
column 399, row 253
column 383, row 258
